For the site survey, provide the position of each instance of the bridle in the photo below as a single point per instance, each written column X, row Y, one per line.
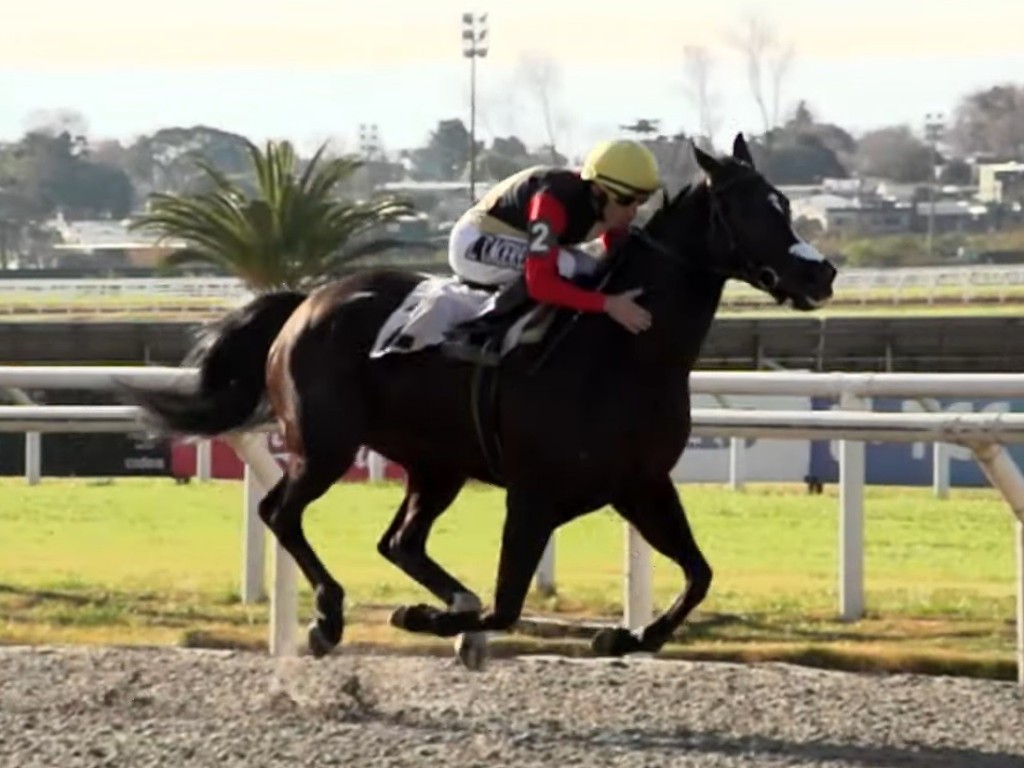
column 758, row 275
column 727, row 261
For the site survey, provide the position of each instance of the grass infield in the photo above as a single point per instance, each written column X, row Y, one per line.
column 146, row 561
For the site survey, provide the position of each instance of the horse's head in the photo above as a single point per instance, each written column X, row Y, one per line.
column 752, row 237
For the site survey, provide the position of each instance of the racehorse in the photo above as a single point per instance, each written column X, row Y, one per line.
column 601, row 422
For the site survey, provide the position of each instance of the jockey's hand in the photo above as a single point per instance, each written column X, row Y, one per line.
column 624, row 310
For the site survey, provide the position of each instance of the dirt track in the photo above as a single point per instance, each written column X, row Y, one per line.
column 116, row 707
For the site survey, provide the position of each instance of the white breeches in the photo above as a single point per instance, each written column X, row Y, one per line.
column 496, row 260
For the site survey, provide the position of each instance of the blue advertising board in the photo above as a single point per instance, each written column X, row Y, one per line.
column 911, row 463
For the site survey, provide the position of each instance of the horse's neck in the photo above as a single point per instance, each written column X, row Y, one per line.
column 702, row 292
column 682, row 301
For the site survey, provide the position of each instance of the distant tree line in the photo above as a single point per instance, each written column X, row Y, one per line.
column 56, row 166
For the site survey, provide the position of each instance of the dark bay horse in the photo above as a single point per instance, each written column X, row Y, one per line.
column 601, row 422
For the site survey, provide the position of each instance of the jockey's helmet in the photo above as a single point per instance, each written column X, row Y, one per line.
column 623, row 167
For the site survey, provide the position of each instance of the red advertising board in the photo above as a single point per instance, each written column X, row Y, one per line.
column 225, row 464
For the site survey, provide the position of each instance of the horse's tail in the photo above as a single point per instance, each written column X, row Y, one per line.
column 231, row 356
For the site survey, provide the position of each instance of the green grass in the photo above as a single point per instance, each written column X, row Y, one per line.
column 150, row 561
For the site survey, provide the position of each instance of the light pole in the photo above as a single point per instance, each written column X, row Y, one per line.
column 369, row 140
column 370, row 149
column 474, row 46
column 934, row 128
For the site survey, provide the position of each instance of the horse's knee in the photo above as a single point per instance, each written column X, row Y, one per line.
column 384, row 546
column 267, row 507
column 399, row 547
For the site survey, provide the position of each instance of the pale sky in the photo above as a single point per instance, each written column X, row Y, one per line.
column 308, row 69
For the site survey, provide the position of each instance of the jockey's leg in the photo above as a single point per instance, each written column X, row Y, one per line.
column 485, row 259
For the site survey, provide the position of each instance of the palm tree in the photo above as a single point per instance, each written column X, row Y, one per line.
column 293, row 232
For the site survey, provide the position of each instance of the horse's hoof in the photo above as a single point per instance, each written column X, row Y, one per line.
column 319, row 643
column 471, row 648
column 615, row 641
column 414, row 618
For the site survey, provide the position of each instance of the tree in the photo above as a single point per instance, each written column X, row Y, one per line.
column 510, row 155
column 766, row 57
column 46, row 171
column 804, row 122
column 505, row 157
column 292, row 233
column 446, row 155
column 894, row 153
column 166, row 160
column 542, row 79
column 804, row 151
column 956, row 171
column 797, row 158
column 699, row 65
column 991, row 122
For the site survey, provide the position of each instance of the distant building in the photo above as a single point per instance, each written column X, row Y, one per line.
column 953, row 216
column 1001, row 182
column 842, row 215
column 105, row 243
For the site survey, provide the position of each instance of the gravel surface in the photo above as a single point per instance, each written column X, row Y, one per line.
column 73, row 707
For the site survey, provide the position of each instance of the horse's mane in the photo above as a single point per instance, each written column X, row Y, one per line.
column 671, row 202
column 688, row 194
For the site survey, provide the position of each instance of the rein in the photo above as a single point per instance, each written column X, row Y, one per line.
column 760, row 276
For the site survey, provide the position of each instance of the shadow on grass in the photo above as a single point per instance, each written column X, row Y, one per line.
column 154, row 608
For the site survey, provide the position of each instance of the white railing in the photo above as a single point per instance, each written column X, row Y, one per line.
column 912, row 285
column 180, row 294
column 90, row 287
column 983, row 433
column 99, row 297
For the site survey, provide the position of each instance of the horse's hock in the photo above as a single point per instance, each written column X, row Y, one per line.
column 96, row 706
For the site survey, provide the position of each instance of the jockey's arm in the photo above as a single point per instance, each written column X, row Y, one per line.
column 545, row 221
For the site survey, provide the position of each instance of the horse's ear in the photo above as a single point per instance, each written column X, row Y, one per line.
column 710, row 165
column 741, row 151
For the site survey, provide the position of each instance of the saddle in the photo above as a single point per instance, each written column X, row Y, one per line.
column 512, row 320
column 481, row 340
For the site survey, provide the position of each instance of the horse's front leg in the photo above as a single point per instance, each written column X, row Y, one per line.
column 529, row 523
column 657, row 513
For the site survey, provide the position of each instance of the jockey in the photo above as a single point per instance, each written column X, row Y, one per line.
column 527, row 224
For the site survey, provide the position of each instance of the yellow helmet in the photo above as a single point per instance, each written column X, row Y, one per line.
column 623, row 166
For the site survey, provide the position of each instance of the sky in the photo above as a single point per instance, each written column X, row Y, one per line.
column 311, row 70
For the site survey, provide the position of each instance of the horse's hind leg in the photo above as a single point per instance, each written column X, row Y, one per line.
column 323, row 446
column 281, row 510
column 428, row 494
